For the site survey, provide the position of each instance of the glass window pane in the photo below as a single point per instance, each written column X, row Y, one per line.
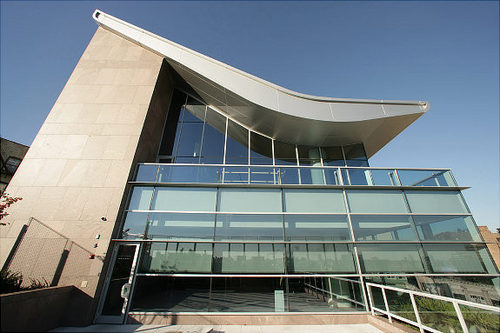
column 135, row 225
column 261, row 149
column 314, row 201
column 321, row 258
column 185, row 199
column 141, row 198
column 332, row 156
column 370, row 177
column 284, row 153
column 250, row 200
column 181, row 226
column 170, row 294
column 309, row 155
column 288, row 175
column 236, row 294
column 450, row 228
column 248, row 258
column 190, row 140
column 390, row 258
column 146, row 172
column 458, row 258
column 382, row 227
column 237, row 144
column 355, row 155
column 235, row 174
column 260, row 175
column 436, row 202
column 213, row 138
column 312, row 176
column 249, row 227
column 369, row 201
column 316, row 227
column 176, row 258
column 173, row 173
column 426, row 178
column 195, row 111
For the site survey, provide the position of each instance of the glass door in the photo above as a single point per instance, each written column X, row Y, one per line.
column 118, row 284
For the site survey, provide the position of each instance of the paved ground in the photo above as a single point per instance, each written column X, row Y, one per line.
column 354, row 328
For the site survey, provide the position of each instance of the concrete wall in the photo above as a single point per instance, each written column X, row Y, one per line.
column 77, row 168
column 34, row 310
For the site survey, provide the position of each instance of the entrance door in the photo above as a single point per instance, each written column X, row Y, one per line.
column 118, row 285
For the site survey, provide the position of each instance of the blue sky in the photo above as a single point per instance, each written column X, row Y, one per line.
column 446, row 53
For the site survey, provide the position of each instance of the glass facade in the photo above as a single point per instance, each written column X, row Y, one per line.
column 238, row 222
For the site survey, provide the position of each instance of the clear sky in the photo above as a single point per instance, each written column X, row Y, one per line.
column 446, row 53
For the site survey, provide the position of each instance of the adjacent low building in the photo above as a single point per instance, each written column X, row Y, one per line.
column 12, row 154
column 164, row 183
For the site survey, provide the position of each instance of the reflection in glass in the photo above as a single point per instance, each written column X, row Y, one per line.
column 450, row 228
column 248, row 258
column 314, row 201
column 372, row 177
column 249, row 227
column 370, row 201
column 261, row 150
column 391, row 258
column 479, row 320
column 320, row 258
column 184, row 199
column 237, row 144
column 146, row 173
column 443, row 202
column 176, row 258
column 459, row 258
column 181, row 226
column 426, row 178
column 172, row 173
column 250, row 200
column 316, row 227
column 382, row 227
column 437, row 314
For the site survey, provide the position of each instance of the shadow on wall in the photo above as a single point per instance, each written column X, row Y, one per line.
column 45, row 309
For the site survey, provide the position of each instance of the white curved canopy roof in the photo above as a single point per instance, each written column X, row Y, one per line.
column 278, row 112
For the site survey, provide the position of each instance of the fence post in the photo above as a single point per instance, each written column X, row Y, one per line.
column 369, row 292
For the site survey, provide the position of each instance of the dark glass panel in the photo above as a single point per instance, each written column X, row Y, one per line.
column 212, row 151
column 170, row 294
column 355, row 155
column 237, row 144
column 172, row 125
column 382, row 227
column 195, row 111
column 248, row 295
column 176, row 258
column 450, row 228
column 284, row 153
column 320, row 258
column 261, row 150
column 309, row 155
column 391, row 258
column 187, row 226
column 249, row 227
column 316, row 227
column 248, row 258
column 332, row 156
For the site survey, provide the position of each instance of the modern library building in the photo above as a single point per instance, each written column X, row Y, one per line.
column 174, row 184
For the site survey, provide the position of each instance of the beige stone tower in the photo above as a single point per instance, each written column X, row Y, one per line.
column 74, row 176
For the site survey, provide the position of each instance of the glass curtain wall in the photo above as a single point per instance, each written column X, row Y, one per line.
column 305, row 238
column 205, row 136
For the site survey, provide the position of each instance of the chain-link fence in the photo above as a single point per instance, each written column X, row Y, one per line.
column 43, row 255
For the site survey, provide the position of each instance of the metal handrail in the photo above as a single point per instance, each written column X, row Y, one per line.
column 456, row 305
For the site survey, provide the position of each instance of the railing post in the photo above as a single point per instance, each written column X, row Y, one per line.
column 460, row 317
column 386, row 305
column 369, row 292
column 415, row 310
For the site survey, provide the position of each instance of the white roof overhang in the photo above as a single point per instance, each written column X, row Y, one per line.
column 272, row 110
